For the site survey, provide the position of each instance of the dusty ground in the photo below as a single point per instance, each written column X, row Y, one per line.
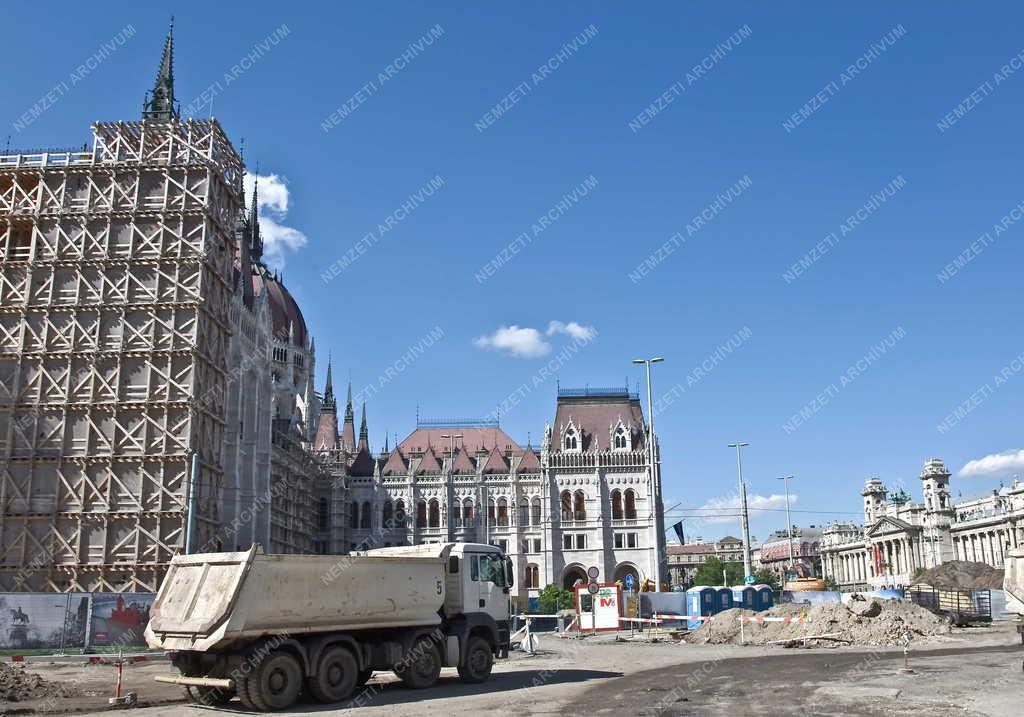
column 977, row 672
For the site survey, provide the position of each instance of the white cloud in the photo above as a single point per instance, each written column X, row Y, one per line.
column 577, row 331
column 994, row 464
column 515, row 341
column 273, row 209
column 727, row 510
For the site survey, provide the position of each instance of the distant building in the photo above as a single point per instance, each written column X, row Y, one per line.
column 685, row 560
column 901, row 536
column 774, row 552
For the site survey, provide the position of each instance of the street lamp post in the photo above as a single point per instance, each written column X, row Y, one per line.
column 789, row 522
column 745, row 519
column 655, row 477
column 450, row 489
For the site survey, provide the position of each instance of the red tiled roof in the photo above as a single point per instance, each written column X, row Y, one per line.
column 326, row 431
column 396, row 464
column 496, row 463
column 462, row 463
column 594, row 416
column 428, row 463
column 473, row 439
column 530, row 463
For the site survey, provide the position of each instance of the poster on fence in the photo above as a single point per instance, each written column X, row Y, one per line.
column 42, row 620
column 120, row 619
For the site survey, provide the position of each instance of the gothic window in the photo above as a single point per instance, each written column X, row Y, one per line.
column 616, row 504
column 399, row 513
column 386, row 516
column 323, row 514
column 467, row 512
column 630, row 504
column 578, row 506
column 354, row 515
column 364, row 519
column 435, row 514
column 492, row 508
column 524, row 512
column 571, row 441
column 535, row 511
column 421, row 514
column 502, row 512
column 566, row 505
column 620, row 439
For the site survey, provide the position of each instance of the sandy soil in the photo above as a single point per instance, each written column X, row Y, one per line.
column 976, row 672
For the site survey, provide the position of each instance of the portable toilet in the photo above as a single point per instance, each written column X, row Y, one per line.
column 723, row 598
column 700, row 600
column 744, row 596
column 765, row 598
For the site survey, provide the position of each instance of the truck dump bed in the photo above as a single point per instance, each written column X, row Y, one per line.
column 1013, row 580
column 211, row 599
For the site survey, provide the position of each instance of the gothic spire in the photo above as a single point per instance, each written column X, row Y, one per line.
column 159, row 102
column 364, row 434
column 349, row 415
column 329, row 403
column 255, row 238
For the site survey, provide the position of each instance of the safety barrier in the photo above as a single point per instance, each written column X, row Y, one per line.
column 104, row 659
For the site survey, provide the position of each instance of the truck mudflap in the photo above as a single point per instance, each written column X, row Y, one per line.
column 224, row 683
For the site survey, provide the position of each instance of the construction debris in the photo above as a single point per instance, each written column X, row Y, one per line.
column 962, row 575
column 19, row 685
column 888, row 624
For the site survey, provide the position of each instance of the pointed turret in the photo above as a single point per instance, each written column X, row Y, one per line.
column 364, row 435
column 255, row 237
column 329, row 404
column 348, row 429
column 159, row 102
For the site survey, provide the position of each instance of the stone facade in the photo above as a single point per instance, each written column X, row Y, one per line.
column 899, row 536
column 685, row 560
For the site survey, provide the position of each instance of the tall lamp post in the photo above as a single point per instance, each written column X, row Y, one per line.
column 745, row 519
column 450, row 489
column 789, row 521
column 655, row 477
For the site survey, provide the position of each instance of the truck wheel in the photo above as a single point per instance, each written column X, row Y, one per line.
column 335, row 677
column 363, row 677
column 242, row 688
column 276, row 683
column 209, row 696
column 421, row 666
column 479, row 661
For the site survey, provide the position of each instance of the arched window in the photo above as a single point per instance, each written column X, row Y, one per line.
column 579, row 508
column 399, row 513
column 616, row 505
column 571, row 443
column 457, row 514
column 353, row 515
column 630, row 503
column 620, row 440
column 435, row 514
column 502, row 511
column 323, row 516
column 467, row 512
column 492, row 512
column 532, row 576
column 524, row 512
column 421, row 514
column 566, row 505
column 535, row 518
column 364, row 519
column 387, row 516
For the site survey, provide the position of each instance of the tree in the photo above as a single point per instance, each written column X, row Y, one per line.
column 831, row 584
column 553, row 598
column 710, row 573
column 767, row 577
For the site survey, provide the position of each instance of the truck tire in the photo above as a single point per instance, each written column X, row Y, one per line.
column 335, row 677
column 209, row 696
column 242, row 689
column 422, row 665
column 476, row 667
column 276, row 683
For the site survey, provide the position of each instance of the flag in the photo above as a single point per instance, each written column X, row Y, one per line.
column 678, row 527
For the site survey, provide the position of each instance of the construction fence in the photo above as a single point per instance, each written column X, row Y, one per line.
column 73, row 621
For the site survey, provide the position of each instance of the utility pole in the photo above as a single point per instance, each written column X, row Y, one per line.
column 658, row 522
column 789, row 521
column 450, row 489
column 745, row 519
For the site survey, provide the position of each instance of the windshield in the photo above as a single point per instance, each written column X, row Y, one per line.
column 492, row 569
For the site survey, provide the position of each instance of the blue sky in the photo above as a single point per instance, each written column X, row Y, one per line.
column 872, row 292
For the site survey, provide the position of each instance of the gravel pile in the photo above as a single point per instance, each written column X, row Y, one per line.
column 871, row 622
column 19, row 685
column 962, row 575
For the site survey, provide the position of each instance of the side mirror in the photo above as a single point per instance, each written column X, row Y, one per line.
column 453, row 564
column 510, row 577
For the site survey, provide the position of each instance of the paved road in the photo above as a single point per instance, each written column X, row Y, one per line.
column 950, row 682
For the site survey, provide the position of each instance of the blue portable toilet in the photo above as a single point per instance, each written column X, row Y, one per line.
column 765, row 597
column 700, row 600
column 723, row 596
column 744, row 596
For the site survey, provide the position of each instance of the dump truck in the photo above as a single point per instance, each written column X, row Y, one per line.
column 269, row 628
column 1013, row 586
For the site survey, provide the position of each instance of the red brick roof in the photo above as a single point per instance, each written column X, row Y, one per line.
column 473, row 439
column 530, row 463
column 428, row 463
column 396, row 464
column 496, row 463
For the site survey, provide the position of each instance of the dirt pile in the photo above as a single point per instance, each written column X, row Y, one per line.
column 879, row 622
column 963, row 575
column 19, row 685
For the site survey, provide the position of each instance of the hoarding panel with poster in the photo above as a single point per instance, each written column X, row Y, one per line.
column 600, row 611
column 119, row 619
column 42, row 620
